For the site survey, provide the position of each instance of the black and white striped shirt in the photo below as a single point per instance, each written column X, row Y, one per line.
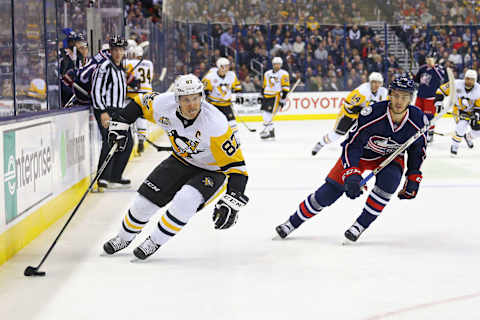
column 109, row 86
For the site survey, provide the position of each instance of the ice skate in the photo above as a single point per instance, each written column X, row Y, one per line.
column 284, row 229
column 454, row 150
column 119, row 184
column 354, row 232
column 146, row 249
column 114, row 245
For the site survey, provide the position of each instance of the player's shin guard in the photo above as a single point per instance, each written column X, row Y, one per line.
column 376, row 201
column 330, row 137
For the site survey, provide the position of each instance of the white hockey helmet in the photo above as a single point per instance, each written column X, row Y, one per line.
column 472, row 74
column 375, row 76
column 186, row 85
column 277, row 60
column 222, row 62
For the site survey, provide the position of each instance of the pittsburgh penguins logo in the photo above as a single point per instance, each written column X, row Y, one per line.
column 183, row 146
column 208, row 182
column 223, row 89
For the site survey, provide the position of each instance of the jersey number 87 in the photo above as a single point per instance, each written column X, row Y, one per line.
column 230, row 146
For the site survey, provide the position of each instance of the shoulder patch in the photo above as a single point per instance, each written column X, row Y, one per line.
column 366, row 111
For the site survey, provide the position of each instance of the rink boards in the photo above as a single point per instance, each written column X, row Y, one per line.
column 47, row 164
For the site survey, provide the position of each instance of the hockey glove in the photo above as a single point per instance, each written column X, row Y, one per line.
column 474, row 118
column 118, row 134
column 410, row 188
column 226, row 209
column 439, row 106
column 282, row 103
column 135, row 84
column 351, row 178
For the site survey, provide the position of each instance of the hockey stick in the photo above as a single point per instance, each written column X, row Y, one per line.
column 288, row 94
column 156, row 146
column 403, row 147
column 243, row 122
column 33, row 271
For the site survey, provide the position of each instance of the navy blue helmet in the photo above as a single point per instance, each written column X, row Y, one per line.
column 403, row 83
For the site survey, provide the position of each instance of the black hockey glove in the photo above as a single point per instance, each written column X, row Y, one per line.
column 118, row 134
column 282, row 103
column 410, row 188
column 351, row 178
column 438, row 106
column 474, row 119
column 135, row 84
column 226, row 209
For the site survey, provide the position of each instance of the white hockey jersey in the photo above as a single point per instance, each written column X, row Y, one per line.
column 143, row 71
column 207, row 143
column 275, row 82
column 360, row 97
column 464, row 101
column 219, row 88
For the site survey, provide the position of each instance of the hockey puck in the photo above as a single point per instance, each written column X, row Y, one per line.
column 33, row 272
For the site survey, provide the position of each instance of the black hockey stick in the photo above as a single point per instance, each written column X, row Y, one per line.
column 33, row 271
column 156, row 146
column 248, row 128
column 159, row 148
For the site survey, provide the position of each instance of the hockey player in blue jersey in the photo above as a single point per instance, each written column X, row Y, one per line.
column 381, row 129
column 429, row 77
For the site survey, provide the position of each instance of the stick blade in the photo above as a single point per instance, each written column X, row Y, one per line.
column 33, row 272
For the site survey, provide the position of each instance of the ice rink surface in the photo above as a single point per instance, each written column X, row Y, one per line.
column 419, row 260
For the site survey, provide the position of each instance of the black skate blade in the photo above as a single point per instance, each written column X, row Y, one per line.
column 33, row 272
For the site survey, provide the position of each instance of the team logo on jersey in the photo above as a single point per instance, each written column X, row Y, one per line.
column 183, row 146
column 382, row 145
column 147, row 99
column 425, row 79
column 223, row 89
column 164, row 120
column 366, row 111
column 272, row 80
column 208, row 182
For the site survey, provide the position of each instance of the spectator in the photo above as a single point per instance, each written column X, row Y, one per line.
column 248, row 85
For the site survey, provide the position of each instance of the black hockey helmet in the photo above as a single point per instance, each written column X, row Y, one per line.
column 403, row 83
column 117, row 41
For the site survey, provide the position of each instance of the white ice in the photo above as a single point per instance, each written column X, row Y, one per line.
column 419, row 260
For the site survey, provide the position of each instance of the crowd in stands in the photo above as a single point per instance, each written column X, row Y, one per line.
column 311, row 38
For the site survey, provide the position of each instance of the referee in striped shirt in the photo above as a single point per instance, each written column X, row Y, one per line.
column 109, row 88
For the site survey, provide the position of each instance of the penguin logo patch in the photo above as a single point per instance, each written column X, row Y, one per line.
column 208, row 182
column 366, row 111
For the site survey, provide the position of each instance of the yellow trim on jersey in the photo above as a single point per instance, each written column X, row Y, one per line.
column 171, row 226
column 207, row 84
column 285, row 81
column 226, row 151
column 216, row 194
column 443, row 89
column 144, row 101
column 355, row 98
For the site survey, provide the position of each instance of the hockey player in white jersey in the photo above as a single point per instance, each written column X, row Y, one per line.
column 364, row 95
column 466, row 109
column 276, row 85
column 139, row 80
column 206, row 159
column 220, row 83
